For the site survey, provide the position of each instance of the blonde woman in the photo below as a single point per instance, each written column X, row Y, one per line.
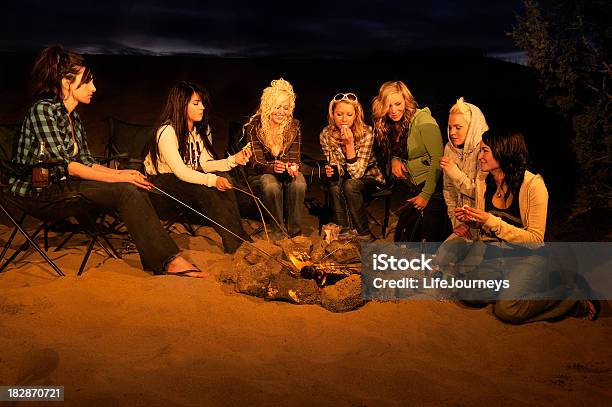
column 274, row 167
column 466, row 125
column 352, row 172
column 410, row 144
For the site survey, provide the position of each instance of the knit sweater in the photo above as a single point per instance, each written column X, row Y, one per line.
column 197, row 167
column 533, row 204
column 262, row 160
column 460, row 179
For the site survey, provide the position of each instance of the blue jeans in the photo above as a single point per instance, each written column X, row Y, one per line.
column 347, row 196
column 283, row 198
column 530, row 296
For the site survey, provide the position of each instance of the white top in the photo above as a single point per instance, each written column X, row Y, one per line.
column 200, row 163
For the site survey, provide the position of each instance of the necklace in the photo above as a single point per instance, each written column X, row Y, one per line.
column 499, row 192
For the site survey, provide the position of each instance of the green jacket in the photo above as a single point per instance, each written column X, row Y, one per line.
column 424, row 152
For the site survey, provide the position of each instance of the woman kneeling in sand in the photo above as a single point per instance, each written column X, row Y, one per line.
column 182, row 162
column 510, row 209
column 274, row 167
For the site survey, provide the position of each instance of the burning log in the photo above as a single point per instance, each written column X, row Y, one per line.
column 336, row 286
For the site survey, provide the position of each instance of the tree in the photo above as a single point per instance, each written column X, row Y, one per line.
column 567, row 44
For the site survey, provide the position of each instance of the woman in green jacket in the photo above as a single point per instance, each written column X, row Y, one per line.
column 410, row 146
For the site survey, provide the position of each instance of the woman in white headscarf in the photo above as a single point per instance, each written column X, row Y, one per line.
column 466, row 125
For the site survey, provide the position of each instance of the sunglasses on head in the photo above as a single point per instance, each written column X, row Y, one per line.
column 345, row 96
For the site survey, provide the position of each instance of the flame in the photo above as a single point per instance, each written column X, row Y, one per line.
column 299, row 264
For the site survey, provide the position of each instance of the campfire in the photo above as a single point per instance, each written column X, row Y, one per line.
column 324, row 273
column 301, row 271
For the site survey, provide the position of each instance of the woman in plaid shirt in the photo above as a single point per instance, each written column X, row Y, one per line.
column 62, row 82
column 352, row 172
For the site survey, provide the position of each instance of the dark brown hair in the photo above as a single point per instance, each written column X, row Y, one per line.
column 54, row 64
column 175, row 115
column 509, row 149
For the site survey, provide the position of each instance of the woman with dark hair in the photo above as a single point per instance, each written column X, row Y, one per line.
column 409, row 146
column 182, row 162
column 511, row 209
column 352, row 171
column 53, row 128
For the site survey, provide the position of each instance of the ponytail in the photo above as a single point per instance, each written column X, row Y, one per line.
column 54, row 64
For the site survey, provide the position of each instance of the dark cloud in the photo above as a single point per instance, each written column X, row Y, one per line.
column 243, row 28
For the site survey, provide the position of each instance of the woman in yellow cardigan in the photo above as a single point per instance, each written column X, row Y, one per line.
column 511, row 207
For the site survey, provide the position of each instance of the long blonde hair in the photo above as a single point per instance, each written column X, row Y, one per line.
column 380, row 109
column 271, row 96
column 359, row 127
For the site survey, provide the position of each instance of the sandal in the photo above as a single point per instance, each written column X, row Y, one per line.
column 587, row 309
column 188, row 273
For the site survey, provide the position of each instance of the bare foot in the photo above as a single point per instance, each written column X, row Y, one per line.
column 593, row 310
column 181, row 267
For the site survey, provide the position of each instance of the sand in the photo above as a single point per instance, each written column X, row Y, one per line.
column 119, row 336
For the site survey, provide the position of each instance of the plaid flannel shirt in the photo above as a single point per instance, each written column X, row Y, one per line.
column 47, row 120
column 364, row 164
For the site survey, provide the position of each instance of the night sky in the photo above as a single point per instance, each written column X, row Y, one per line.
column 260, row 28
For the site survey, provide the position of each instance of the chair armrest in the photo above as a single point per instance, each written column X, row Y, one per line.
column 311, row 161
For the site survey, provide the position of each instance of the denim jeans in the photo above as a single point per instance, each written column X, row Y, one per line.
column 217, row 205
column 530, row 297
column 133, row 206
column 431, row 224
column 283, row 198
column 347, row 197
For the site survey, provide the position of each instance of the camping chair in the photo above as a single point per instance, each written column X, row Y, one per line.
column 384, row 193
column 128, row 145
column 322, row 211
column 48, row 211
column 51, row 213
column 236, row 141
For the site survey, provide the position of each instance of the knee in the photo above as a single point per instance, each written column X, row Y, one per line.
column 334, row 190
column 510, row 311
column 299, row 184
column 128, row 190
column 270, row 185
column 352, row 186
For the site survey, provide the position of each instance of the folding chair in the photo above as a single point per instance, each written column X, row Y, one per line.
column 127, row 143
column 236, row 141
column 127, row 148
column 52, row 212
column 57, row 208
column 383, row 194
column 322, row 211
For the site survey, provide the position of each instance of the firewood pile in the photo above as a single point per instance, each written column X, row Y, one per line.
column 300, row 271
